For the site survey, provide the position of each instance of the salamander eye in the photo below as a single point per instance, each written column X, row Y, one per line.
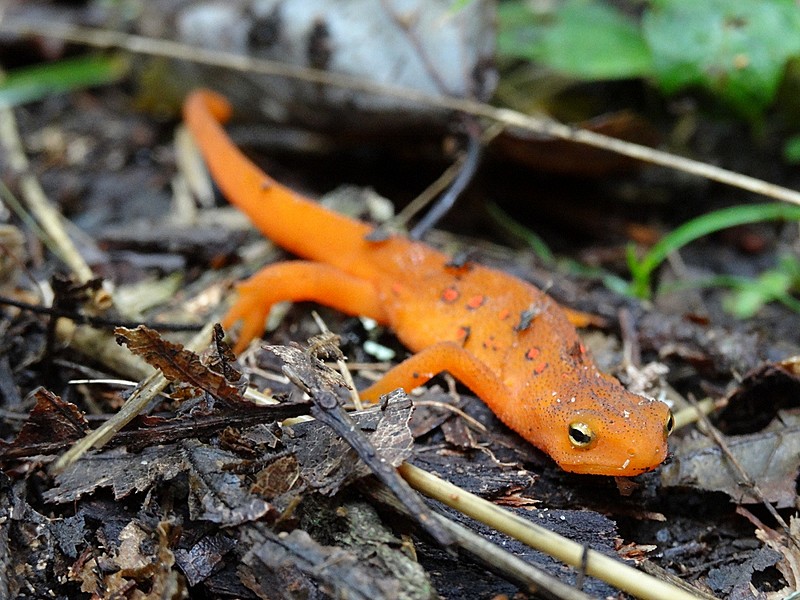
column 580, row 435
column 670, row 424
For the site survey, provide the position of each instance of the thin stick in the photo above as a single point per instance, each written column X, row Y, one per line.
column 102, row 38
column 82, row 319
column 40, row 207
column 426, row 196
column 461, row 181
column 303, row 369
column 597, row 565
column 690, row 414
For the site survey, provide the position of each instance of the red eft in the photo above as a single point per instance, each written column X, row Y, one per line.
column 506, row 340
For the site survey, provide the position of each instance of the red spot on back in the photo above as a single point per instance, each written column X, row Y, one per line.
column 540, row 368
column 450, row 294
column 577, row 351
column 533, row 353
column 397, row 288
column 476, row 301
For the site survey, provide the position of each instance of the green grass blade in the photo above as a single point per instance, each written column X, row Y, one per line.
column 36, row 82
column 702, row 226
column 533, row 241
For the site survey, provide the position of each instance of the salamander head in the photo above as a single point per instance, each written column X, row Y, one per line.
column 609, row 431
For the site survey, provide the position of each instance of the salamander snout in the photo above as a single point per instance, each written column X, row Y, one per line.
column 623, row 442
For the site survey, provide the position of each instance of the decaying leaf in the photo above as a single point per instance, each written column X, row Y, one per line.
column 305, row 370
column 759, row 396
column 358, row 528
column 296, row 562
column 734, row 580
column 134, row 570
column 179, row 364
column 30, row 553
column 771, row 458
column 52, row 425
column 328, row 463
column 116, row 468
column 199, row 561
column 217, row 493
column 277, row 478
column 789, row 566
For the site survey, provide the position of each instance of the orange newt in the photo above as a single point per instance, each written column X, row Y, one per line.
column 506, row 340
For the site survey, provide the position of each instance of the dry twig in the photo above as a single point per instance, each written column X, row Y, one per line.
column 593, row 563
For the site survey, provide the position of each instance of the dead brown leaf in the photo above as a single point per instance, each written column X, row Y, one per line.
column 133, row 572
column 789, row 565
column 771, row 458
column 277, row 478
column 52, row 425
column 179, row 364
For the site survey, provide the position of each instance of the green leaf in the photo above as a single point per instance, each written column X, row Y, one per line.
column 773, row 285
column 36, row 82
column 736, row 49
column 749, row 295
column 641, row 270
column 581, row 38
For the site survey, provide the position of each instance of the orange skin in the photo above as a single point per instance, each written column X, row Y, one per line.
column 507, row 341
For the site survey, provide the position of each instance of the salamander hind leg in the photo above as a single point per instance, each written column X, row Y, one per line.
column 582, row 319
column 298, row 281
column 443, row 356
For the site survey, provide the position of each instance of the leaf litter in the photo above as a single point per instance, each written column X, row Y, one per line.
column 202, row 419
column 764, row 442
column 234, row 473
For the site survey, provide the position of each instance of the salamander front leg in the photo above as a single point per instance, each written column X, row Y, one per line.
column 444, row 356
column 298, row 281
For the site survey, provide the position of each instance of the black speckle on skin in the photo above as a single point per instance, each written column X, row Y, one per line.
column 526, row 317
column 319, row 46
